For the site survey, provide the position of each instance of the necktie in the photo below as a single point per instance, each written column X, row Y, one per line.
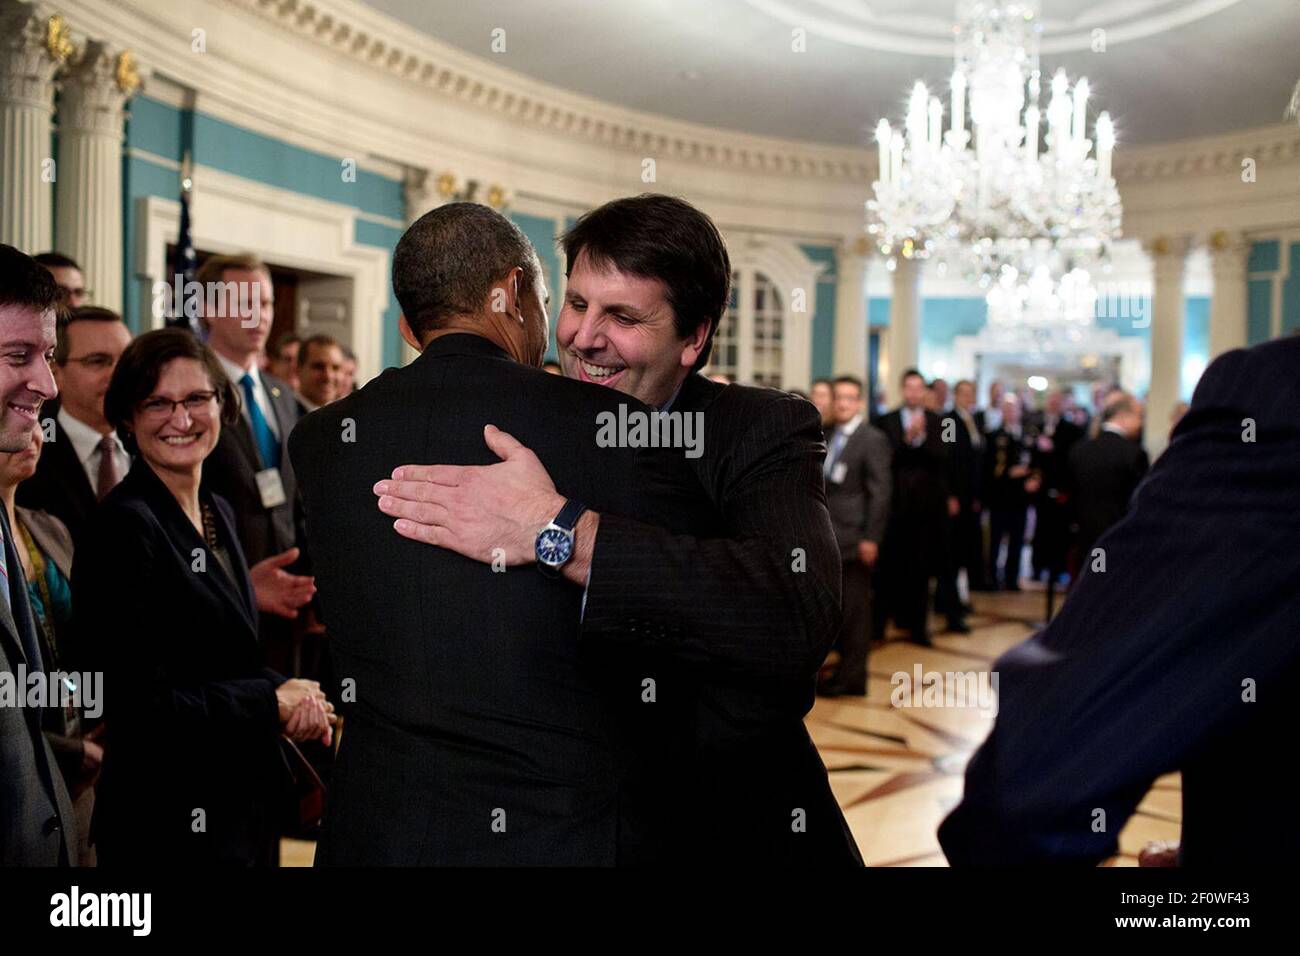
column 4, row 573
column 267, row 446
column 837, row 446
column 108, row 473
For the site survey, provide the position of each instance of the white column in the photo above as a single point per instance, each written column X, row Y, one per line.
column 91, row 118
column 1228, row 255
column 1169, row 260
column 425, row 191
column 31, row 48
column 851, row 309
column 904, row 327
column 745, row 327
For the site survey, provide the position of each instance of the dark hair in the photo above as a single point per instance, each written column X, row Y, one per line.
column 85, row 313
column 142, row 363
column 287, row 338
column 26, row 283
column 908, row 374
column 664, row 238
column 56, row 260
column 848, row 380
column 324, row 341
column 1117, row 405
column 446, row 262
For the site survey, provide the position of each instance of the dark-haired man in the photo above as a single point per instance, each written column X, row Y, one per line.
column 67, row 274
column 320, row 372
column 84, row 459
column 36, row 816
column 822, row 394
column 916, row 544
column 858, row 479
column 732, row 623
column 1106, row 470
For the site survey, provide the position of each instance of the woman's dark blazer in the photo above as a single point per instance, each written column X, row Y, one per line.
column 191, row 756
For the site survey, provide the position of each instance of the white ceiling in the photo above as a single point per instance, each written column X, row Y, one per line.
column 1171, row 70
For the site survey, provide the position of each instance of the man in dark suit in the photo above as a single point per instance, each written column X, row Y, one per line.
column 964, row 437
column 859, row 480
column 36, row 817
column 1052, row 436
column 250, row 466
column 734, row 618
column 1181, row 656
column 83, row 459
column 1106, row 470
column 1009, row 482
column 916, row 543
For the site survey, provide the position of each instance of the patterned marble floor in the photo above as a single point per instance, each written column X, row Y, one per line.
column 898, row 771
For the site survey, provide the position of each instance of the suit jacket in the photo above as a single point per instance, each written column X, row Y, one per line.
column 1004, row 452
column 231, row 469
column 191, row 716
column 1105, row 471
column 479, row 733
column 859, row 501
column 1180, row 657
column 36, row 815
column 60, row 486
column 735, row 624
column 965, row 460
column 920, row 501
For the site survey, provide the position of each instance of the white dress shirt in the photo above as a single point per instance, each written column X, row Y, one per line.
column 235, row 374
column 85, row 442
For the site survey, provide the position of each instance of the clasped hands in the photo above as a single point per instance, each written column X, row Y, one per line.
column 305, row 712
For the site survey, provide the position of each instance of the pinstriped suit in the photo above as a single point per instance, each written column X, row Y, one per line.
column 739, row 625
column 1144, row 671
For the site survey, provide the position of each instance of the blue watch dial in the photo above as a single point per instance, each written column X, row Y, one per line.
column 554, row 546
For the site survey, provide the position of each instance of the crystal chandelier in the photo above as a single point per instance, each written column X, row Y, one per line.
column 1011, row 206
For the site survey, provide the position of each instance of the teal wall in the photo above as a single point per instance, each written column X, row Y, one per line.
column 541, row 232
column 165, row 131
column 1266, row 284
column 823, row 318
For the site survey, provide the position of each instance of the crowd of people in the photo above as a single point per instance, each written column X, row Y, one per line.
column 939, row 493
column 187, row 516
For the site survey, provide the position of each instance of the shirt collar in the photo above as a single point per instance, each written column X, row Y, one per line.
column 1114, row 429
column 667, row 406
column 849, row 427
column 85, row 440
column 235, row 372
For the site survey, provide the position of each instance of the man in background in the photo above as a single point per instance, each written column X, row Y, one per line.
column 965, row 477
column 1106, row 470
column 1008, row 485
column 1053, row 437
column 916, row 542
column 283, row 358
column 821, row 393
column 858, row 486
column 320, row 372
column 67, row 274
column 84, row 459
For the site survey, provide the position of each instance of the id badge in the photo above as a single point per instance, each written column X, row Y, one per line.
column 839, row 471
column 270, row 488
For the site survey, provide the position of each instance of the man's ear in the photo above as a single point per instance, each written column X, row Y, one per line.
column 694, row 344
column 408, row 336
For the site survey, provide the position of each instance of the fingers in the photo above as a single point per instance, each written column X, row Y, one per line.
column 437, row 474
column 424, row 533
column 412, row 490
column 282, row 559
column 502, row 444
column 421, row 512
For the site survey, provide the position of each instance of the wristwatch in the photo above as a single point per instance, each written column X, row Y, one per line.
column 554, row 544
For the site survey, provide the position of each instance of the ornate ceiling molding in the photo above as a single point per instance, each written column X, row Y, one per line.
column 369, row 37
column 1209, row 155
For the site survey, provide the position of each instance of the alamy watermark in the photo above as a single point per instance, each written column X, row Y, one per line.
column 37, row 688
column 635, row 428
column 241, row 300
column 926, row 689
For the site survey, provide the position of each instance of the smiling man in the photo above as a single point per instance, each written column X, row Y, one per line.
column 731, row 627
column 35, row 813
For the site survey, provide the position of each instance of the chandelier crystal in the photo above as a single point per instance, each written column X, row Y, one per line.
column 1018, row 198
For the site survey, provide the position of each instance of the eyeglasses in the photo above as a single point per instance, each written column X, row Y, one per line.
column 197, row 404
column 96, row 361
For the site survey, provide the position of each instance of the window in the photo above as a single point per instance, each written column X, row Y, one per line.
column 749, row 342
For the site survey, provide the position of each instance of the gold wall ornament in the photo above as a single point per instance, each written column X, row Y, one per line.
column 861, row 246
column 446, row 185
column 126, row 74
column 58, row 39
column 497, row 196
column 1220, row 240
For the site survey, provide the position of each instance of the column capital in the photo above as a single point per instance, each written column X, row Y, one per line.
column 34, row 45
column 1168, row 255
column 854, row 250
column 1229, row 252
column 424, row 190
column 96, row 86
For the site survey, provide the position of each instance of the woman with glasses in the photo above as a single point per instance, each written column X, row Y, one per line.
column 164, row 607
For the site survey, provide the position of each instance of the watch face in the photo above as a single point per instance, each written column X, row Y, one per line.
column 554, row 546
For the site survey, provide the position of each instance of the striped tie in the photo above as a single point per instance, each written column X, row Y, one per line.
column 4, row 573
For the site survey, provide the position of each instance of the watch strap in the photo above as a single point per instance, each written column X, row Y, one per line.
column 569, row 514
